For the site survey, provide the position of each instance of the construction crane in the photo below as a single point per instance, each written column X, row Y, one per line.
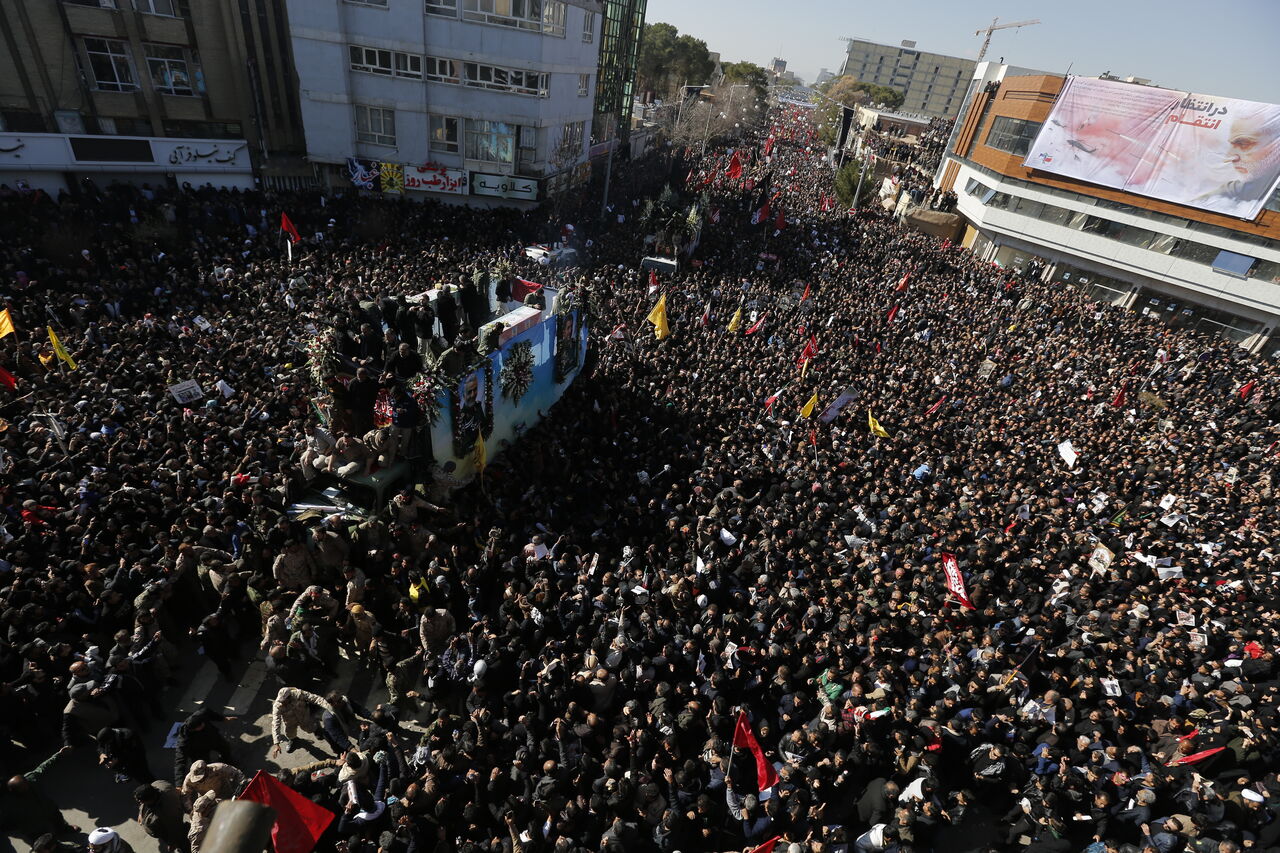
column 996, row 25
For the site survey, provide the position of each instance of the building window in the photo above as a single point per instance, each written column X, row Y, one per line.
column 490, row 141
column 448, row 8
column 167, row 65
column 111, row 64
column 444, row 134
column 1014, row 135
column 382, row 4
column 374, row 60
column 521, row 82
column 571, row 140
column 168, row 8
column 545, row 16
column 584, row 85
column 589, row 27
column 376, row 125
column 442, row 70
column 99, row 4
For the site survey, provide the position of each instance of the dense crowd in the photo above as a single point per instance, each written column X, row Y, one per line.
column 674, row 565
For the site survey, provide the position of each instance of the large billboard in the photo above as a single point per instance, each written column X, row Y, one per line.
column 1217, row 154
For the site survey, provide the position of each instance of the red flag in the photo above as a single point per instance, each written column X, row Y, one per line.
column 893, row 312
column 936, row 406
column 286, row 225
column 653, row 280
column 806, row 292
column 1248, row 389
column 955, row 580
column 755, row 327
column 299, row 822
column 761, row 215
column 813, row 437
column 768, row 146
column 706, row 315
column 1195, row 756
column 902, row 285
column 618, row 333
column 809, row 351
column 735, row 167
column 1118, row 400
column 780, row 221
column 523, row 288
column 767, row 847
column 743, row 736
column 8, row 380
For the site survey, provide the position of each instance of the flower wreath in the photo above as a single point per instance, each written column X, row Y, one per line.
column 425, row 388
column 517, row 371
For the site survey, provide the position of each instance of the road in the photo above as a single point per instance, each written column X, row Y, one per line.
column 89, row 795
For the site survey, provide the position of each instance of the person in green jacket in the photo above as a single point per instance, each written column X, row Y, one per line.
column 27, row 811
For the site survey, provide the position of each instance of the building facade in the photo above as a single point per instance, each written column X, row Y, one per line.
column 483, row 101
column 620, row 36
column 1179, row 265
column 932, row 84
column 145, row 91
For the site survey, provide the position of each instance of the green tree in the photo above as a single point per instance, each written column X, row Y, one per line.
column 669, row 60
column 749, row 73
column 847, row 183
column 848, row 91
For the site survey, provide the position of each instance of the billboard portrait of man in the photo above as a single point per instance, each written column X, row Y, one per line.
column 471, row 413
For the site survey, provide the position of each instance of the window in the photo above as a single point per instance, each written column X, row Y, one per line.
column 168, row 8
column 572, row 136
column 448, row 8
column 101, row 4
column 167, row 65
column 546, row 16
column 444, row 134
column 442, row 70
column 490, row 141
column 111, row 64
column 1012, row 134
column 584, row 85
column 481, row 76
column 528, row 137
column 376, row 125
column 373, row 60
column 408, row 65
column 380, row 3
column 589, row 27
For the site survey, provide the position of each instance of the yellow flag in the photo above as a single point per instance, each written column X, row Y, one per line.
column 875, row 427
column 658, row 317
column 6, row 323
column 736, row 322
column 480, row 454
column 60, row 349
column 807, row 411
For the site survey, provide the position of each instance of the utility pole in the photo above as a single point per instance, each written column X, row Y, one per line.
column 861, row 175
column 608, row 173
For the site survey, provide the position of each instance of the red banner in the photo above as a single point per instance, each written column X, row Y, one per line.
column 955, row 581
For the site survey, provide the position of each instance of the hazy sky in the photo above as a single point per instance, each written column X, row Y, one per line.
column 1225, row 48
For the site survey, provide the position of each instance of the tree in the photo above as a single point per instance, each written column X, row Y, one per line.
column 847, row 183
column 749, row 73
column 669, row 60
column 848, row 91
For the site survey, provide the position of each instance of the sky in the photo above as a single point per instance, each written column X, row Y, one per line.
column 1178, row 44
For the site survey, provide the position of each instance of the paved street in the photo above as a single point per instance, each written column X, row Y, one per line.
column 90, row 796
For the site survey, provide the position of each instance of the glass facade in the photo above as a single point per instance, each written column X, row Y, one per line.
column 620, row 33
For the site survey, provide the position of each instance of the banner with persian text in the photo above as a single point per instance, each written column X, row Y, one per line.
column 1215, row 154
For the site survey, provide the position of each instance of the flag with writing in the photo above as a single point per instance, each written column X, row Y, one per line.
column 299, row 822
column 955, row 580
column 744, row 737
column 809, row 351
column 735, row 322
column 810, row 407
column 59, row 349
column 758, row 324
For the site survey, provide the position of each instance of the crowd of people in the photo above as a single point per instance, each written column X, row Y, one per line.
column 817, row 571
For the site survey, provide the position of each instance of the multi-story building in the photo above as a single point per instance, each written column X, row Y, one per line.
column 1181, row 263
column 931, row 84
column 144, row 90
column 477, row 100
column 621, row 31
